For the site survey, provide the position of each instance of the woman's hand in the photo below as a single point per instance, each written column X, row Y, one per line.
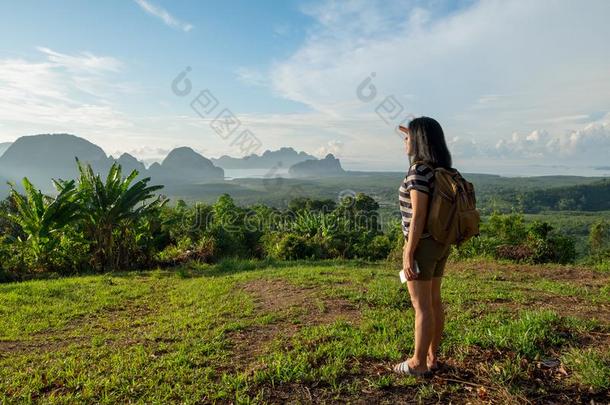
column 408, row 266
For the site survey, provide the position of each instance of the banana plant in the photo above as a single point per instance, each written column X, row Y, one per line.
column 308, row 223
column 42, row 218
column 110, row 207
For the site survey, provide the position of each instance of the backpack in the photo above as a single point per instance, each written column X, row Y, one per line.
column 452, row 214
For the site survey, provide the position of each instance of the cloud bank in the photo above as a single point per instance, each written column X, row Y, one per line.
column 486, row 70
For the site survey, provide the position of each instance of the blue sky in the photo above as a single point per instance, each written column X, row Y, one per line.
column 515, row 84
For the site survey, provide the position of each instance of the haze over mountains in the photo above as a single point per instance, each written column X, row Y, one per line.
column 47, row 156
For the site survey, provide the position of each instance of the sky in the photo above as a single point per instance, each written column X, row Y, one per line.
column 520, row 87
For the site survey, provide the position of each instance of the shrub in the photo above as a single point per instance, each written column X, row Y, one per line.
column 290, row 246
column 370, row 247
column 517, row 253
column 15, row 258
column 549, row 246
column 481, row 246
column 379, row 248
column 202, row 251
column 507, row 237
column 508, row 228
column 564, row 249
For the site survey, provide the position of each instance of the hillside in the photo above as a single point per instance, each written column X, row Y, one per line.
column 304, row 332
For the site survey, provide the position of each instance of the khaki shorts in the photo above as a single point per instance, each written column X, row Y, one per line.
column 431, row 257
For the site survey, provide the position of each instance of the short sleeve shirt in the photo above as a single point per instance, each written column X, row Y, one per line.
column 419, row 177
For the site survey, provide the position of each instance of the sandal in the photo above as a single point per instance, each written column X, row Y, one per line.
column 403, row 368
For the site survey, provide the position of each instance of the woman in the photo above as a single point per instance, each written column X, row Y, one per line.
column 426, row 148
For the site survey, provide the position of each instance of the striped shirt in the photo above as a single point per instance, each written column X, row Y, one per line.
column 419, row 177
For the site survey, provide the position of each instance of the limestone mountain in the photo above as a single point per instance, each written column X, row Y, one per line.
column 283, row 157
column 129, row 163
column 329, row 166
column 42, row 158
column 47, row 156
column 184, row 165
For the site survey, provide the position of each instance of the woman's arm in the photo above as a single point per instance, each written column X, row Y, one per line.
column 419, row 203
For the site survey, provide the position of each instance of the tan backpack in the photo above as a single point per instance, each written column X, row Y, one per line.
column 452, row 215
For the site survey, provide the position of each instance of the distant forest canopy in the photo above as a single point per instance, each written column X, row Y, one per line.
column 111, row 221
column 594, row 196
column 589, row 197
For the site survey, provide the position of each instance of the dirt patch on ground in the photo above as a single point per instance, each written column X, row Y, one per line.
column 580, row 275
column 573, row 306
column 10, row 347
column 293, row 307
column 279, row 295
column 276, row 294
column 562, row 305
column 579, row 307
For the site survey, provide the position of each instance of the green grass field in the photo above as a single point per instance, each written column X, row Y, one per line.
column 260, row 332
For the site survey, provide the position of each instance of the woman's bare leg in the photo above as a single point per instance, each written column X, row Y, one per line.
column 421, row 298
column 439, row 320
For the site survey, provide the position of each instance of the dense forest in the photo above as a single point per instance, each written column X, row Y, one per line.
column 115, row 222
column 589, row 197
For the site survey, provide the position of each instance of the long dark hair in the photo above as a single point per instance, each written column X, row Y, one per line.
column 429, row 143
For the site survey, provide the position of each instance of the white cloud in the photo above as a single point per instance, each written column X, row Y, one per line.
column 335, row 147
column 85, row 61
column 484, row 71
column 588, row 144
column 464, row 148
column 164, row 16
column 60, row 93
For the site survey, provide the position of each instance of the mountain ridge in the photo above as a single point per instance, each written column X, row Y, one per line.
column 285, row 157
column 43, row 157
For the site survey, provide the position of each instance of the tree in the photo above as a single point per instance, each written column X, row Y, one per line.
column 598, row 235
column 361, row 211
column 111, row 209
column 43, row 218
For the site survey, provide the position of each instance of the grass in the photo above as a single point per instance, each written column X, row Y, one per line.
column 259, row 332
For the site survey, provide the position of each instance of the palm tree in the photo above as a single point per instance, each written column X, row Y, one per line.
column 43, row 218
column 111, row 210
